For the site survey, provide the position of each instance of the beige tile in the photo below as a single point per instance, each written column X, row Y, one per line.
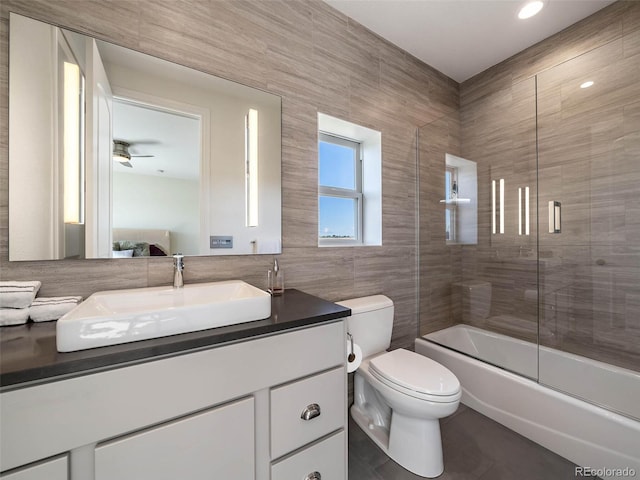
column 317, row 60
column 79, row 277
column 587, row 152
column 116, row 20
column 327, row 272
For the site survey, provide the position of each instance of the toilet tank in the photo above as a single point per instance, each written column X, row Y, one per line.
column 370, row 323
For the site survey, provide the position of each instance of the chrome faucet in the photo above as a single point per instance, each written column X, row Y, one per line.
column 178, row 268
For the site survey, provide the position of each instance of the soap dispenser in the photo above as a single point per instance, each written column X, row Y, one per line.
column 275, row 279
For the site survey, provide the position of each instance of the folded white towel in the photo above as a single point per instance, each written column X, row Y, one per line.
column 13, row 316
column 44, row 309
column 18, row 294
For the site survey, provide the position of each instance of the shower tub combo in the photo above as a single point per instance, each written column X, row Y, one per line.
column 589, row 435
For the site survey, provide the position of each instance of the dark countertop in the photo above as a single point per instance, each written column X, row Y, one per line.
column 28, row 352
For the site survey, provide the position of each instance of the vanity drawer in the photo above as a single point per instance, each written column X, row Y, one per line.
column 321, row 399
column 327, row 459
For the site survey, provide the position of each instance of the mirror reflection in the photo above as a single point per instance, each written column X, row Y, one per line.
column 114, row 154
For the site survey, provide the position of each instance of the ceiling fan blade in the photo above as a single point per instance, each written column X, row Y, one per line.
column 142, row 156
column 145, row 141
column 127, row 164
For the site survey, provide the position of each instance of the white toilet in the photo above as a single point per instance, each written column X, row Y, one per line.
column 399, row 395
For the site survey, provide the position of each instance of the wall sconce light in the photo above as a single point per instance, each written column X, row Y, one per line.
column 251, row 167
column 72, row 147
column 493, row 206
column 497, row 225
column 502, row 205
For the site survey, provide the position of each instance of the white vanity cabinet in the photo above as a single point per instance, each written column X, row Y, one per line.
column 229, row 412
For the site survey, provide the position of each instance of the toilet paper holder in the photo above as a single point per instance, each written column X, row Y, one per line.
column 352, row 356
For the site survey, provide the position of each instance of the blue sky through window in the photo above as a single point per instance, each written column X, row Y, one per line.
column 337, row 166
column 336, row 169
column 337, row 217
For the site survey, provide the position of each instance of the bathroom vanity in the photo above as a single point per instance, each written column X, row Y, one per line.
column 262, row 400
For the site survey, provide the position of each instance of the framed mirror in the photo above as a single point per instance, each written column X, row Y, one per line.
column 114, row 153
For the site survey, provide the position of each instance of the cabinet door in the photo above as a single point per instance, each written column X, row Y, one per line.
column 217, row 443
column 55, row 469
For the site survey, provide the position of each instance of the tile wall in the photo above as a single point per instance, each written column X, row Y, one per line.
column 318, row 60
column 588, row 144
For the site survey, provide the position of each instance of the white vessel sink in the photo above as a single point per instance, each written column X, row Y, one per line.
column 121, row 316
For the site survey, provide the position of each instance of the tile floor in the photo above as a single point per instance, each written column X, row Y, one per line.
column 475, row 447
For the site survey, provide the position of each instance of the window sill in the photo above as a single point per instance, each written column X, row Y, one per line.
column 339, row 243
column 343, row 243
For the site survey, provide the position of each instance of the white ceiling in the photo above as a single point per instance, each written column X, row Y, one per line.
column 173, row 139
column 461, row 38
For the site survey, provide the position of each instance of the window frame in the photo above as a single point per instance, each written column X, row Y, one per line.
column 337, row 192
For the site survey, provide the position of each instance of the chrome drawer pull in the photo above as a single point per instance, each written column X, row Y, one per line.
column 312, row 411
column 313, row 476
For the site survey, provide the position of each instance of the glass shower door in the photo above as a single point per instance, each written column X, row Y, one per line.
column 589, row 224
column 495, row 294
column 506, row 259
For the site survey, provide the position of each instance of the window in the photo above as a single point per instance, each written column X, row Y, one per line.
column 339, row 190
column 349, row 183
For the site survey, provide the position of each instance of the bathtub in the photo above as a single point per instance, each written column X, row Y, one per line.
column 590, row 436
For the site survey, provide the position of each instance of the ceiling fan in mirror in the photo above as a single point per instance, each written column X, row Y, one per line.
column 121, row 151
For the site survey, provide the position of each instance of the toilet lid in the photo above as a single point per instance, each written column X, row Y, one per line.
column 415, row 372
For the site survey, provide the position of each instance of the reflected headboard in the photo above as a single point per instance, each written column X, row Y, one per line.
column 162, row 238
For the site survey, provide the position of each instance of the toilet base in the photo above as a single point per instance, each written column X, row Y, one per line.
column 418, row 448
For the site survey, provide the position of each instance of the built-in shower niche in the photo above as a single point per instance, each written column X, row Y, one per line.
column 460, row 201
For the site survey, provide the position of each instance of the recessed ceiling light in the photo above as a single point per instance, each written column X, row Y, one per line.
column 586, row 84
column 530, row 9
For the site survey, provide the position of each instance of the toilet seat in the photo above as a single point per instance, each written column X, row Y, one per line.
column 416, row 375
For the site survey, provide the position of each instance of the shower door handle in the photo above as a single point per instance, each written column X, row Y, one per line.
column 555, row 221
